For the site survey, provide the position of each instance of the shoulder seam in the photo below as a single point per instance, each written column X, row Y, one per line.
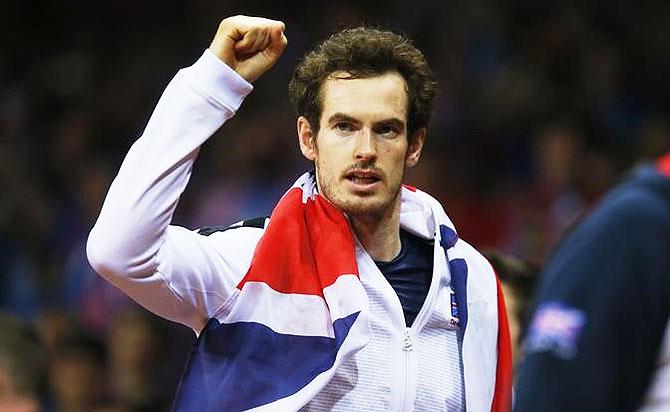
column 258, row 223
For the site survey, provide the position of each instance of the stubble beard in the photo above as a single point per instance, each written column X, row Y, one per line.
column 365, row 208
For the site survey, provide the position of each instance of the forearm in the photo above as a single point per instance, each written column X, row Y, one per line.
column 176, row 273
column 133, row 223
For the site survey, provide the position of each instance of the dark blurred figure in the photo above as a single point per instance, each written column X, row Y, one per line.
column 138, row 344
column 568, row 176
column 22, row 366
column 599, row 339
column 78, row 373
column 518, row 279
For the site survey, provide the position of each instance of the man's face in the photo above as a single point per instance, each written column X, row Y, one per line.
column 361, row 149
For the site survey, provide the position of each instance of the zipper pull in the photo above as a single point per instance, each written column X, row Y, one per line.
column 407, row 343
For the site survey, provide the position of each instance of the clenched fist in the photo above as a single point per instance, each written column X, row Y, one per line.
column 249, row 45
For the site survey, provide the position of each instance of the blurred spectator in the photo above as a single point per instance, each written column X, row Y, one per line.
column 53, row 325
column 77, row 376
column 137, row 353
column 518, row 279
column 131, row 369
column 552, row 201
column 23, row 366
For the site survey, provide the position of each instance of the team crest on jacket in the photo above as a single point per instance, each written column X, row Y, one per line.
column 555, row 328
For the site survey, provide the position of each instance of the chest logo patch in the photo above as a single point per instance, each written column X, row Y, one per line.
column 555, row 328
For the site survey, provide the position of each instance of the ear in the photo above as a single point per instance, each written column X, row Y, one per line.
column 306, row 138
column 415, row 146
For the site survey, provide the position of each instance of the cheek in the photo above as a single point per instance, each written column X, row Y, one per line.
column 396, row 159
column 326, row 171
column 331, row 159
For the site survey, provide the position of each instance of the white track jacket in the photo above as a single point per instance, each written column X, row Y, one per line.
column 187, row 277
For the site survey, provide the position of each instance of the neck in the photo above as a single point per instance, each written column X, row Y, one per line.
column 379, row 234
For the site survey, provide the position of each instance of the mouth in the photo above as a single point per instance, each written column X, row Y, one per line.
column 362, row 179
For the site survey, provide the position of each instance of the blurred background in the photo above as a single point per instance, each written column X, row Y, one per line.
column 542, row 106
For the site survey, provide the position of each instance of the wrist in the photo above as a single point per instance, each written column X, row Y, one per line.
column 214, row 77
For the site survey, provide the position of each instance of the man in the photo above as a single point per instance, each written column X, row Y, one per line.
column 77, row 374
column 329, row 305
column 23, row 364
column 600, row 337
column 518, row 279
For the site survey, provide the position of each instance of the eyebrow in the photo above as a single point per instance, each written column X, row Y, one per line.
column 341, row 117
column 394, row 122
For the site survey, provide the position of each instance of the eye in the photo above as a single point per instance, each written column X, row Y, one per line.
column 344, row 127
column 387, row 130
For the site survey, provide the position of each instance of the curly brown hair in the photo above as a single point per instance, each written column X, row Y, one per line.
column 364, row 52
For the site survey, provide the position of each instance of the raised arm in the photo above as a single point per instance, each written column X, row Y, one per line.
column 174, row 272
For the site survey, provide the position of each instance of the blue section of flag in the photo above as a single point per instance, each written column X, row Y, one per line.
column 448, row 237
column 458, row 270
column 459, row 280
column 243, row 365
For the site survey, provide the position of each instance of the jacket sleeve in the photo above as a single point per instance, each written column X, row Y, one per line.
column 601, row 311
column 176, row 273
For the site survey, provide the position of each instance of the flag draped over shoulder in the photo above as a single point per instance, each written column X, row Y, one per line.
column 297, row 313
column 301, row 310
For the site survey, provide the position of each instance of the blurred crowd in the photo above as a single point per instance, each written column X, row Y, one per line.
column 542, row 106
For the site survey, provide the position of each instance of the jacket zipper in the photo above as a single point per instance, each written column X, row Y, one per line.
column 407, row 348
column 408, row 354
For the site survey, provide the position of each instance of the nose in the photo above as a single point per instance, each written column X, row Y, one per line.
column 366, row 146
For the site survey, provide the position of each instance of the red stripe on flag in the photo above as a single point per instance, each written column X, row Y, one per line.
column 305, row 248
column 502, row 397
column 663, row 165
column 410, row 187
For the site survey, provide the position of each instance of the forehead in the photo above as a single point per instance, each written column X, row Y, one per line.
column 374, row 98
